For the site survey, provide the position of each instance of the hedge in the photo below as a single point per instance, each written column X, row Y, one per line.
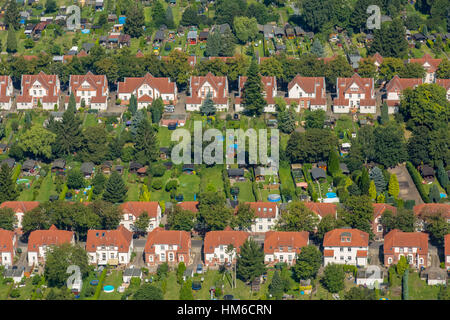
column 415, row 176
column 16, row 172
column 100, row 285
column 62, row 195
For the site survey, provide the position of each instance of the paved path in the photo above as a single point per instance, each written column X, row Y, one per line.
column 408, row 190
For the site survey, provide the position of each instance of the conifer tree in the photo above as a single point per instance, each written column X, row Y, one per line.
column 250, row 263
column 11, row 41
column 8, row 190
column 364, row 182
column 115, row 189
column 393, row 188
column 384, row 118
column 252, row 97
column 208, row 108
column 12, row 15
column 377, row 176
column 434, row 194
column 68, row 131
column 333, row 163
column 276, row 287
column 132, row 106
column 372, row 190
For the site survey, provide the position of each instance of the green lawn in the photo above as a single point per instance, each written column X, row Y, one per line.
column 189, row 185
column 134, row 187
column 47, row 188
column 211, row 176
column 245, row 191
column 90, row 120
column 419, row 290
column 164, row 136
column 114, row 279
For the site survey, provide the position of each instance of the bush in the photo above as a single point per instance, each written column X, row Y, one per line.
column 90, row 291
column 415, row 176
column 15, row 293
column 157, row 184
column 36, row 279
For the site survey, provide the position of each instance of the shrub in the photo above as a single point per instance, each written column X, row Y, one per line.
column 15, row 293
column 415, row 176
column 157, row 184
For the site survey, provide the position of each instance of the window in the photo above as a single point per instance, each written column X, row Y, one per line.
column 342, row 249
column 170, row 256
column 150, row 258
column 103, row 256
column 163, row 257
column 112, row 255
column 260, row 227
column 380, row 228
column 281, row 257
column 389, row 260
column 349, row 249
column 342, row 258
column 349, row 258
column 181, row 258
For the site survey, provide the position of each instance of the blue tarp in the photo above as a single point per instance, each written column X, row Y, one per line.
column 122, row 20
column 86, row 31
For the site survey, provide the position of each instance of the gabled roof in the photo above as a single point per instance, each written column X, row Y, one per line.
column 269, row 84
column 444, row 83
column 97, row 83
column 400, row 84
column 136, row 208
column 6, row 240
column 218, row 83
column 364, row 86
column 52, row 236
column 130, row 85
column 275, row 240
column 263, row 209
column 20, row 206
column 397, row 238
column 427, row 62
column 214, row 239
column 380, row 208
column 431, row 208
column 322, row 209
column 189, row 205
column 49, row 82
column 120, row 238
column 357, row 238
column 182, row 239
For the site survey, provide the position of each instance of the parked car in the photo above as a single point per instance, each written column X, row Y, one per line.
column 199, row 268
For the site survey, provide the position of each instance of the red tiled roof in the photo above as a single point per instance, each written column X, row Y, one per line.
column 52, row 236
column 20, row 206
column 218, row 84
column 322, row 209
column 430, row 208
column 6, row 240
column 444, row 83
column 120, row 238
column 169, row 237
column 380, row 208
column 378, row 58
column 82, row 54
column 275, row 239
column 189, row 205
column 130, row 85
column 328, row 253
column 136, row 208
column 361, row 253
column 139, row 54
column 263, row 209
column 447, row 244
column 214, row 239
column 333, row 238
column 97, row 83
column 364, row 86
column 427, row 59
column 315, row 85
column 398, row 84
column 5, row 83
column 397, row 238
column 49, row 82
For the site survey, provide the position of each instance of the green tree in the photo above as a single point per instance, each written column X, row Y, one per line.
column 405, row 285
column 50, row 6
column 146, row 143
column 390, row 146
column 364, row 182
column 11, row 41
column 246, row 28
column 394, row 188
column 367, row 68
column 245, row 216
column 8, row 190
column 189, row 17
column 333, row 278
column 403, row 220
column 95, row 144
column 412, row 70
column 286, row 121
column 307, row 263
column 12, row 15
column 372, row 190
column 442, row 175
column 358, row 213
column 250, row 262
column 186, row 291
column 314, row 119
column 208, row 108
column 142, row 223
column 311, row 146
column 158, row 14
column 109, row 214
column 213, row 44
column 317, row 48
column 297, row 217
column 276, row 286
column 179, row 219
column 402, row 265
column 148, row 292
column 213, row 212
column 437, row 226
column 377, row 176
column 360, row 293
column 384, row 118
column 157, row 110
column 443, row 71
column 38, row 141
column 132, row 106
column 7, row 219
column 333, row 163
column 68, row 131
column 252, row 98
column 115, row 189
column 98, row 183
column 181, row 268
column 75, row 179
column 169, row 18
column 390, row 40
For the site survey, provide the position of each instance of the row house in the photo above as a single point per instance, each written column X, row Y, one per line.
column 412, row 245
column 112, row 247
column 269, row 93
column 171, row 246
column 394, row 91
column 40, row 241
column 146, row 89
column 308, row 93
column 6, row 92
column 37, row 88
column 378, row 210
column 217, row 243
column 284, row 246
column 266, row 214
column 430, row 65
column 355, row 94
column 346, row 246
column 445, row 83
column 19, row 208
column 200, row 86
column 90, row 88
column 447, row 251
column 131, row 210
column 424, row 209
column 8, row 245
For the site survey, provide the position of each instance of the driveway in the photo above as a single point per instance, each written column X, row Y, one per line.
column 196, row 251
column 408, row 190
column 434, row 256
column 180, row 106
column 375, row 253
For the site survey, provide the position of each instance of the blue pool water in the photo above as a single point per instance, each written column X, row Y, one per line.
column 331, row 195
column 274, row 197
column 443, row 195
column 108, row 288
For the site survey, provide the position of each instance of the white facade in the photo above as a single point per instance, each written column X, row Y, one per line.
column 7, row 259
column 129, row 219
column 287, row 257
column 341, row 109
column 103, row 254
column 220, row 254
column 346, row 255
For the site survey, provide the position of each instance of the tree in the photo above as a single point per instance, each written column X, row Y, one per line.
column 68, row 131
column 12, row 15
column 367, row 68
column 377, row 176
column 142, row 223
column 443, row 71
column 7, row 219
column 148, row 292
column 364, row 182
column 59, row 258
column 75, row 179
column 146, row 143
column 169, row 18
column 393, row 188
column 442, row 175
column 208, row 108
column 307, row 263
column 286, row 121
column 109, row 214
column 250, row 262
column 8, row 190
column 384, row 118
column 95, row 144
column 179, row 219
column 412, row 70
column 437, row 226
column 333, row 163
column 311, row 146
column 226, row 10
column 297, row 217
column 317, row 48
column 390, row 40
column 186, row 291
column 115, row 189
column 402, row 266
column 360, row 293
column 338, row 67
column 157, row 110
column 189, row 17
column 245, row 216
column 252, row 98
column 358, row 213
column 98, row 183
column 181, row 268
column 178, row 68
column 314, row 119
column 333, row 278
column 213, row 44
column 132, row 106
column 390, row 67
column 390, row 146
column 213, row 212
column 37, row 141
column 276, row 286
column 372, row 190
column 246, row 28
column 50, row 6
column 11, row 41
column 158, row 14
column 403, row 220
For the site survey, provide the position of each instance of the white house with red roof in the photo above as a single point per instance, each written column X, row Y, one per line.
column 6, row 92
column 378, row 210
column 266, row 213
column 216, row 244
column 90, row 88
column 20, row 208
column 269, row 93
column 171, row 246
column 200, row 86
column 445, row 83
column 430, row 65
column 8, row 245
column 307, row 93
column 284, row 246
column 447, row 251
column 346, row 246
column 40, row 241
column 43, row 88
column 131, row 211
column 112, row 247
column 355, row 94
column 412, row 245
column 146, row 89
column 394, row 90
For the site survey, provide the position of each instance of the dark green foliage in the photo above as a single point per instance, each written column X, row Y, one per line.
column 405, row 285
column 179, row 219
column 434, row 194
column 157, row 110
column 245, row 216
column 252, row 98
column 7, row 219
column 208, row 108
column 333, row 279
column 115, row 189
column 98, row 183
column 12, row 14
column 250, row 262
column 314, row 119
column 390, row 147
column 75, row 179
column 377, row 176
column 132, row 106
column 333, row 163
column 442, row 175
column 403, row 220
column 307, row 263
column 358, row 213
column 286, row 121
column 189, row 17
column 390, row 40
column 437, row 226
column 276, row 287
column 186, row 291
column 360, row 293
column 148, row 292
column 364, row 182
column 311, row 146
column 11, row 41
column 94, row 144
column 68, row 131
column 8, row 190
column 384, row 118
column 415, row 176
column 158, row 14
column 146, row 143
column 213, row 212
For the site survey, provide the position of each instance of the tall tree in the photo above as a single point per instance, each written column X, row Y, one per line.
column 132, row 105
column 390, row 40
column 317, row 48
column 12, row 15
column 37, row 142
column 358, row 213
column 393, row 188
column 68, row 133
column 146, row 143
column 377, row 176
column 213, row 212
column 297, row 217
column 245, row 216
column 95, row 144
column 11, row 41
column 7, row 218
column 276, row 286
column 179, row 219
column 208, row 108
column 390, row 146
column 169, row 18
column 364, row 182
column 158, row 14
column 115, row 189
column 333, row 278
column 250, row 262
column 307, row 263
column 135, row 20
column 384, row 118
column 8, row 190
column 246, row 28
column 252, row 97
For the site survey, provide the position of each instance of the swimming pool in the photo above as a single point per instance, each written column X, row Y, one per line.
column 274, row 197
column 108, row 288
column 443, row 195
column 331, row 195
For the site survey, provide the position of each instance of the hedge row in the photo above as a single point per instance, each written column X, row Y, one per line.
column 63, row 192
column 100, row 285
column 417, row 181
